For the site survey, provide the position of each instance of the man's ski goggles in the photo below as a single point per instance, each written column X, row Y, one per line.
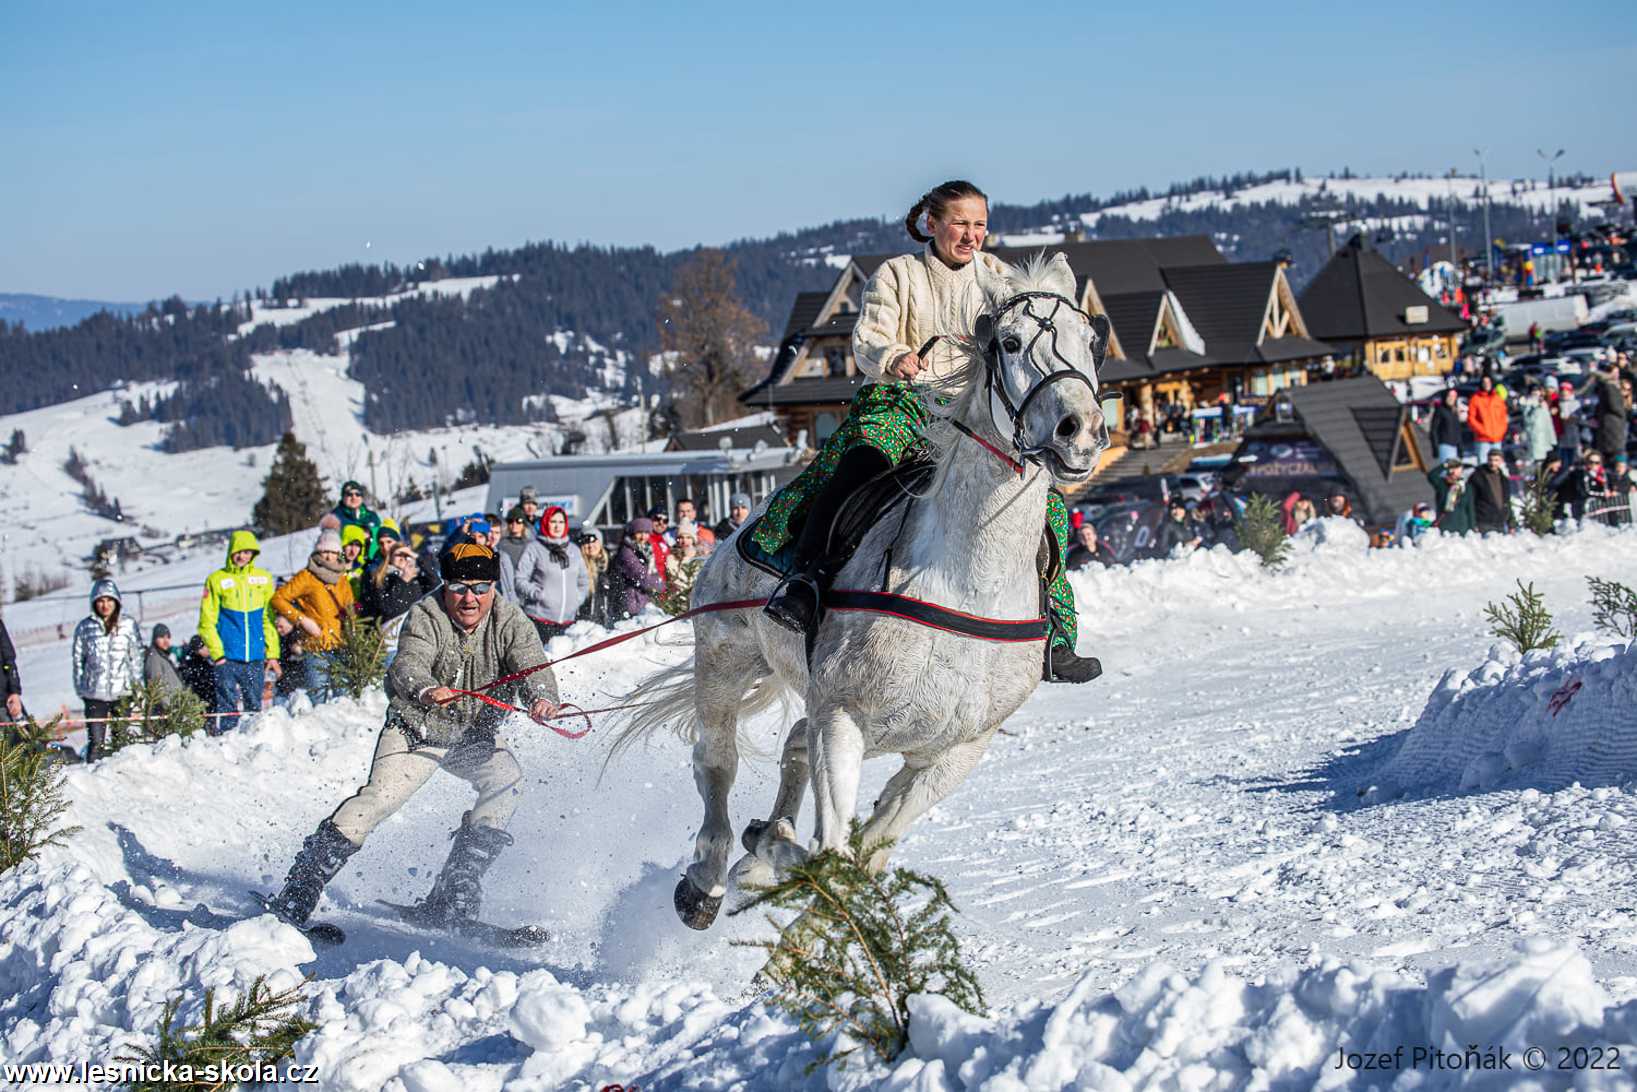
column 479, row 589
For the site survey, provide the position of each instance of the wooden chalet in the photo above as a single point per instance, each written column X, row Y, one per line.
column 1379, row 318
column 1349, row 432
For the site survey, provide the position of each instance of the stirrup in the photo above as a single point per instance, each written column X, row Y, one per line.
column 787, row 610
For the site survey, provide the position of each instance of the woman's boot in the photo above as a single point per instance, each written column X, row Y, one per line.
column 322, row 855
column 794, row 604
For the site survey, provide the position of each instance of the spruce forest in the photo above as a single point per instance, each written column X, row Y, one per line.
column 563, row 320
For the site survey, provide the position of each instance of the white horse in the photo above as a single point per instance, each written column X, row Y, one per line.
column 880, row 684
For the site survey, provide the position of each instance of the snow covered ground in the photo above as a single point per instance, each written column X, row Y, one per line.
column 1300, row 813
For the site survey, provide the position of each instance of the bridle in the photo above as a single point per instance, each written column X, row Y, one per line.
column 995, row 380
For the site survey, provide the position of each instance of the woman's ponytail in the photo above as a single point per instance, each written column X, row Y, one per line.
column 912, row 222
column 934, row 202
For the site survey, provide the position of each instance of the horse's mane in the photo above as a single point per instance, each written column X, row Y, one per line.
column 950, row 397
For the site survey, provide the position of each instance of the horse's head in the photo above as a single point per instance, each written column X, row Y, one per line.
column 1041, row 356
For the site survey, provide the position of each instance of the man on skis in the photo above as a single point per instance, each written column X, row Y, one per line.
column 463, row 638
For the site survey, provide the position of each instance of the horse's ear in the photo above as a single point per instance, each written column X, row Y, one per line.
column 1060, row 277
column 1099, row 340
column 983, row 330
column 992, row 283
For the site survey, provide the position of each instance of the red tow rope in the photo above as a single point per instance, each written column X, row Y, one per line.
column 585, row 714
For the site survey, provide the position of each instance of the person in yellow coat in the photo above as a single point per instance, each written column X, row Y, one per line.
column 316, row 600
column 238, row 630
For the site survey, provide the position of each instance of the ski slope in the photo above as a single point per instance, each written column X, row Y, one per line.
column 163, row 495
column 1259, row 838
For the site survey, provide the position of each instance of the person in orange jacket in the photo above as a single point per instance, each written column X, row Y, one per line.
column 1486, row 417
column 316, row 600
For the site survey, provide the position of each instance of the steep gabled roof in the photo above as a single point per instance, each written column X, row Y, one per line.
column 804, row 312
column 1358, row 295
column 1225, row 302
column 1134, row 316
column 1362, row 425
column 711, row 440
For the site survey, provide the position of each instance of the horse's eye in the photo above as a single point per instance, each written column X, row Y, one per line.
column 1011, row 344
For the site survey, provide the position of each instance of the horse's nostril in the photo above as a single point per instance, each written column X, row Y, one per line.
column 1068, row 427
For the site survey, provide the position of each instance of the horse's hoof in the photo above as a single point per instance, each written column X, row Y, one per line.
column 753, row 833
column 696, row 909
column 750, row 873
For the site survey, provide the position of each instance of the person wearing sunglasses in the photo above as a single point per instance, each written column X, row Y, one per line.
column 453, row 643
column 352, row 513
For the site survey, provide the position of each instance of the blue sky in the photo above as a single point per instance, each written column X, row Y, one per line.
column 207, row 148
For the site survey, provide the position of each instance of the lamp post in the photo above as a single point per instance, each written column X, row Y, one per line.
column 1489, row 238
column 1551, row 185
column 1455, row 263
column 1550, row 161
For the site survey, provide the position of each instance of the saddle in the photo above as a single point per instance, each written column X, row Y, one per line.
column 862, row 511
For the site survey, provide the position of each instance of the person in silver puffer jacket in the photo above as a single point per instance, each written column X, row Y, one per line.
column 107, row 661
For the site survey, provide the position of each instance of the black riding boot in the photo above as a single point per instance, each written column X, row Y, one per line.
column 457, row 894
column 322, row 855
column 794, row 604
column 1064, row 665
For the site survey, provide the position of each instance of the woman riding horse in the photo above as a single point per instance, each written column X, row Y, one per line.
column 910, row 301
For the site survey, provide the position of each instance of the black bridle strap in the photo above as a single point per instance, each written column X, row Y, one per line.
column 1044, row 324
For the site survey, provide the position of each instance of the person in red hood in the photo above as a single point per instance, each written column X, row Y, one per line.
column 662, row 549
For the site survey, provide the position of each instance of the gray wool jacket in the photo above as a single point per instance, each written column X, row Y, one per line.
column 433, row 651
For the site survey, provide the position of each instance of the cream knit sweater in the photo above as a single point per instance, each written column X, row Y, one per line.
column 910, row 299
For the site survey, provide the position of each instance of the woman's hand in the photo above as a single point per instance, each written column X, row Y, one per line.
column 14, row 706
column 542, row 710
column 310, row 627
column 907, row 366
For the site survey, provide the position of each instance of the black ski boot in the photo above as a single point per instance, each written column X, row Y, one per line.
column 322, row 855
column 457, row 895
column 795, row 603
column 1064, row 666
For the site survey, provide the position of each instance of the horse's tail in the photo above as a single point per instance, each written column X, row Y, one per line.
column 666, row 699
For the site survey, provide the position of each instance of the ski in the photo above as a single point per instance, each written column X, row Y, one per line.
column 500, row 936
column 325, row 932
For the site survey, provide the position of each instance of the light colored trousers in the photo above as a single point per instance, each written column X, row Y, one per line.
column 400, row 768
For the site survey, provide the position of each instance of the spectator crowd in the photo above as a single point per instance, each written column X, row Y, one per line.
column 263, row 638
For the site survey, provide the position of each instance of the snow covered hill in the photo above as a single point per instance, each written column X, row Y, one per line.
column 50, row 529
column 1173, row 877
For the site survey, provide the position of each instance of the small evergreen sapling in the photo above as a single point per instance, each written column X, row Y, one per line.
column 1261, row 530
column 864, row 943
column 1614, row 607
column 1523, row 620
column 151, row 713
column 361, row 661
column 260, row 1029
column 31, row 794
column 1538, row 504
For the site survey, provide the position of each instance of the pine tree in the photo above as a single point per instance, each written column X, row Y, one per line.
column 1262, row 531
column 294, row 497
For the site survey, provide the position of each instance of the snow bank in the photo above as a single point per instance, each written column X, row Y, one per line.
column 1545, row 721
column 1329, row 561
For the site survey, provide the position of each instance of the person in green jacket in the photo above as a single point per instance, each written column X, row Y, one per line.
column 1452, row 500
column 352, row 513
column 238, row 629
